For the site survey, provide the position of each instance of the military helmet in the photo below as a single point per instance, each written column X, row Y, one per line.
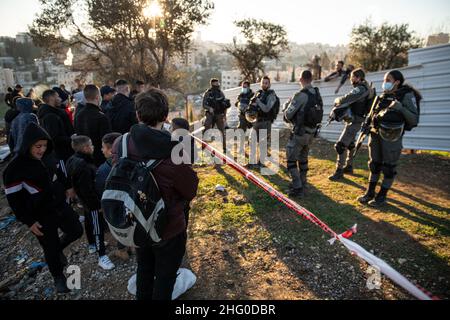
column 251, row 114
column 342, row 114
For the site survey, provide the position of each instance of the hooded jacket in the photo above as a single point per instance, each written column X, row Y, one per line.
column 177, row 183
column 30, row 184
column 81, row 170
column 91, row 122
column 20, row 123
column 121, row 113
column 58, row 125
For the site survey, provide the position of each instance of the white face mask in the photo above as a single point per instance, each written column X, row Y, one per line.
column 387, row 86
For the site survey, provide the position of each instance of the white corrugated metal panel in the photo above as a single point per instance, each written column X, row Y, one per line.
column 428, row 71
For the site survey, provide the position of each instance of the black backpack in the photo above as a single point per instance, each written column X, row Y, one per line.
column 132, row 202
column 313, row 110
column 400, row 95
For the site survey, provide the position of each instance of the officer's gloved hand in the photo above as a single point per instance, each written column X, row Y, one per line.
column 211, row 110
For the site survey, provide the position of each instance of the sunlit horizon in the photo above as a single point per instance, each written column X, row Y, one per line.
column 331, row 25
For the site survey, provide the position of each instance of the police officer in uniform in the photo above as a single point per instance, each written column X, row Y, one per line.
column 352, row 108
column 260, row 114
column 303, row 133
column 397, row 111
column 215, row 105
column 242, row 103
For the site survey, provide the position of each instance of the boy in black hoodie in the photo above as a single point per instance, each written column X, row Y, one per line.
column 35, row 191
column 82, row 171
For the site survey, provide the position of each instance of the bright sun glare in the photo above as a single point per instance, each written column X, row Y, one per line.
column 152, row 10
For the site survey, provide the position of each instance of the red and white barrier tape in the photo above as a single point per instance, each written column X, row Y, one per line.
column 353, row 247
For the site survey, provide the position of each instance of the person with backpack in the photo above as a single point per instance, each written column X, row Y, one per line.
column 35, row 190
column 266, row 105
column 398, row 111
column 242, row 102
column 102, row 174
column 215, row 105
column 352, row 109
column 82, row 171
column 147, row 151
column 305, row 111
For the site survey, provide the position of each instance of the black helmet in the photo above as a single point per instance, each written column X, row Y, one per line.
column 339, row 114
column 251, row 114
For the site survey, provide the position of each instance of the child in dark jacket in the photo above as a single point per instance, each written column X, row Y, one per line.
column 100, row 181
column 35, row 191
column 82, row 171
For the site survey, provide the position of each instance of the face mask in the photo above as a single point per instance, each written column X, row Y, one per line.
column 387, row 86
column 216, row 87
column 244, row 90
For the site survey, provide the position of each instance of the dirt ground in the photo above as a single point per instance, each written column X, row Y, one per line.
column 244, row 245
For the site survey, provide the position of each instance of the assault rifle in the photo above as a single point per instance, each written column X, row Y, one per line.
column 365, row 129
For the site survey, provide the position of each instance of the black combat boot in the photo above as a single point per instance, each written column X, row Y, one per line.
column 380, row 199
column 348, row 169
column 296, row 193
column 370, row 193
column 338, row 175
column 61, row 284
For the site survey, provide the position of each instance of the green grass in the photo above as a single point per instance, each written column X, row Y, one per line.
column 406, row 228
column 437, row 153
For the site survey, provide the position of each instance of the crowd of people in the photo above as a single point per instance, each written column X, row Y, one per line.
column 63, row 156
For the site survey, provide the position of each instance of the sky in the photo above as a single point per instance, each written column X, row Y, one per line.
column 305, row 21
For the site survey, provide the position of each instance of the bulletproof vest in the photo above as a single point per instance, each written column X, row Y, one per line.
column 359, row 107
column 263, row 97
column 245, row 97
column 299, row 125
column 383, row 115
column 215, row 100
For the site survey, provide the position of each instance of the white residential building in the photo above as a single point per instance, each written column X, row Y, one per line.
column 23, row 37
column 6, row 79
column 67, row 77
column 231, row 79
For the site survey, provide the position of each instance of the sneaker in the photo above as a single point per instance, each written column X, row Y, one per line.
column 61, row 284
column 105, row 263
column 92, row 248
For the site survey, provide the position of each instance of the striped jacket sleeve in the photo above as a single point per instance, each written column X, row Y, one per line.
column 18, row 193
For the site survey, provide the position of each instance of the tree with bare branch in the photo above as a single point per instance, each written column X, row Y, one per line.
column 117, row 39
column 263, row 40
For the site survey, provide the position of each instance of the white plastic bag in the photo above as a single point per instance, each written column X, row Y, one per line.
column 185, row 280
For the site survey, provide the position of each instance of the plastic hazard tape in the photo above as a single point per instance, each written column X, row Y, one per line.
column 353, row 247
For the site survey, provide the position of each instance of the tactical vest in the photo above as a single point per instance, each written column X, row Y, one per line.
column 300, row 118
column 245, row 97
column 263, row 96
column 360, row 107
